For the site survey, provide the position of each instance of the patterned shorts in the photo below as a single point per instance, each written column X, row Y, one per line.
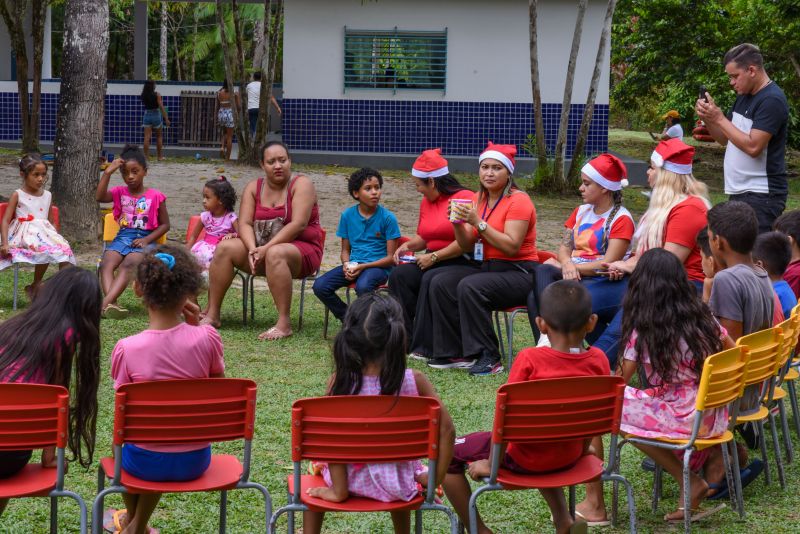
column 225, row 117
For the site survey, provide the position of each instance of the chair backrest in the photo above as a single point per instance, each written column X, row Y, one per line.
column 53, row 210
column 764, row 347
column 194, row 220
column 558, row 409
column 185, row 411
column 723, row 378
column 791, row 329
column 111, row 229
column 33, row 416
column 365, row 429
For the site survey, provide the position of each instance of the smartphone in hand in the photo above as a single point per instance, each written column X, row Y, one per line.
column 702, row 93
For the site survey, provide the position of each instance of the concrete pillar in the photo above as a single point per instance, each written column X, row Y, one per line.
column 47, row 48
column 140, row 40
column 5, row 53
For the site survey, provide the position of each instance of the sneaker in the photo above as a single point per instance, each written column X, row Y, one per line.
column 544, row 341
column 452, row 363
column 648, row 464
column 417, row 356
column 487, row 365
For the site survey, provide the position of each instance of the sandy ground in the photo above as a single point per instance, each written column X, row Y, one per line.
column 182, row 183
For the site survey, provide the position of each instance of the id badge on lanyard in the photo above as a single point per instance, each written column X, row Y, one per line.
column 477, row 252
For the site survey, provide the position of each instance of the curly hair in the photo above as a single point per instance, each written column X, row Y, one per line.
column 165, row 287
column 358, row 178
column 29, row 161
column 134, row 153
column 663, row 308
column 224, row 191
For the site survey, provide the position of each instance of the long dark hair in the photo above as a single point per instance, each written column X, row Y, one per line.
column 373, row 332
column 148, row 95
column 666, row 312
column 62, row 324
column 446, row 185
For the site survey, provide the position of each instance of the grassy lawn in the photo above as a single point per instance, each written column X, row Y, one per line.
column 275, row 366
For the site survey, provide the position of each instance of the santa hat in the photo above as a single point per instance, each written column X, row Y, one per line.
column 673, row 155
column 430, row 164
column 607, row 171
column 502, row 153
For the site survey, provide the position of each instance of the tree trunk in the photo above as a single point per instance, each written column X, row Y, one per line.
column 561, row 142
column 239, row 110
column 260, row 41
column 38, row 17
column 272, row 30
column 178, row 70
column 541, row 144
column 162, row 59
column 193, row 60
column 795, row 64
column 588, row 111
column 79, row 127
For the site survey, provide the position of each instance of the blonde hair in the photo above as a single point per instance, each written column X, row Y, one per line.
column 670, row 190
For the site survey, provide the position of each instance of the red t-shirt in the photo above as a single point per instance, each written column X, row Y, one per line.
column 517, row 206
column 434, row 224
column 541, row 363
column 792, row 277
column 684, row 221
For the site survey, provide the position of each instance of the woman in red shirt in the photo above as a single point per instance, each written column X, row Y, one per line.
column 434, row 241
column 499, row 227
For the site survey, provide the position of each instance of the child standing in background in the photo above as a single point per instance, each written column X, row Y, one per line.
column 142, row 217
column 169, row 349
column 369, row 234
column 26, row 230
column 218, row 220
column 369, row 356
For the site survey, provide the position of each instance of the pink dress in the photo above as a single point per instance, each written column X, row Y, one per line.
column 383, row 482
column 216, row 228
column 667, row 410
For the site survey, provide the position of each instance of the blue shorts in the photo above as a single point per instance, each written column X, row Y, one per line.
column 123, row 243
column 152, row 119
column 165, row 466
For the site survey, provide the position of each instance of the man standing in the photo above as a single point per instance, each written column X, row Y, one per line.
column 254, row 99
column 754, row 134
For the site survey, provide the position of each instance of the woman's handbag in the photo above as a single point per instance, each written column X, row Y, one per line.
column 267, row 229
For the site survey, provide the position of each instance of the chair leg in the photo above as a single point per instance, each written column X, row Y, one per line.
column 97, row 509
column 764, row 456
column 572, row 502
column 737, row 479
column 325, row 323
column 290, row 515
column 687, row 493
column 252, row 298
column 53, row 515
column 657, row 474
column 787, row 439
column 16, row 285
column 244, row 300
column 81, row 504
column 617, row 478
column 795, row 410
column 473, row 508
column 776, row 446
column 499, row 331
column 418, row 521
column 302, row 301
column 223, row 511
column 732, row 490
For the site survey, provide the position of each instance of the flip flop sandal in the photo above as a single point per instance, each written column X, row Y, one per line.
column 112, row 311
column 603, row 523
column 112, row 520
column 697, row 514
column 273, row 334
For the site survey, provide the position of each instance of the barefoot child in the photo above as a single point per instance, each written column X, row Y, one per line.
column 170, row 348
column 218, row 220
column 142, row 217
column 566, row 317
column 39, row 346
column 26, row 230
column 369, row 359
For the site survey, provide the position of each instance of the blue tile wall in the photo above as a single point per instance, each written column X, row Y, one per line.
column 459, row 128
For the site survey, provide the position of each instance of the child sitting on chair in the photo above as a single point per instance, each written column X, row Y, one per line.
column 566, row 317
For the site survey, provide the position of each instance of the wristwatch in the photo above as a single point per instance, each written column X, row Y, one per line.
column 482, row 226
column 434, row 257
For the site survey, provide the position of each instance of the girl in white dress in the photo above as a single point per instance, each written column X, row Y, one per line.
column 26, row 232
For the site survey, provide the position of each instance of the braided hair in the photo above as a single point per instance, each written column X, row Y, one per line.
column 607, row 229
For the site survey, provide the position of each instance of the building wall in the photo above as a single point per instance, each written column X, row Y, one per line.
column 488, row 90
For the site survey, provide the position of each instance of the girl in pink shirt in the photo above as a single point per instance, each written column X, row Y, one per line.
column 170, row 348
column 39, row 346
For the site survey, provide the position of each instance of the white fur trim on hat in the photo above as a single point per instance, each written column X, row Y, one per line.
column 677, row 168
column 499, row 156
column 657, row 159
column 601, row 180
column 430, row 174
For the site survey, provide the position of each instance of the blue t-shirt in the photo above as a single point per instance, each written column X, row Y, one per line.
column 786, row 296
column 367, row 236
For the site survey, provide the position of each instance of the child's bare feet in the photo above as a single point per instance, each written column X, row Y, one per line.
column 590, row 512
column 479, row 469
column 699, row 492
column 326, row 494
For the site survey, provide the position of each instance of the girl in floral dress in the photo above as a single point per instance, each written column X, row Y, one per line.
column 369, row 359
column 218, row 220
column 670, row 333
column 27, row 234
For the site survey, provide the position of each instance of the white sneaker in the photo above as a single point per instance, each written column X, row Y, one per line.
column 544, row 341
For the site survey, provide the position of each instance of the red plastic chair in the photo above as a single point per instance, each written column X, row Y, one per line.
column 179, row 412
column 383, row 287
column 35, row 416
column 543, row 411
column 56, row 223
column 362, row 429
column 509, row 314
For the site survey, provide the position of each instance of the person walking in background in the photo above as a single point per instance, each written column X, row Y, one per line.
column 154, row 112
column 254, row 102
column 672, row 128
column 754, row 134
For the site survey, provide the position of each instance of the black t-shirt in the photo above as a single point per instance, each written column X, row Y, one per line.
column 150, row 101
column 767, row 110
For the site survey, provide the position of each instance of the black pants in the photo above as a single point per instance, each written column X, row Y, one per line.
column 768, row 207
column 545, row 275
column 462, row 305
column 406, row 285
column 12, row 462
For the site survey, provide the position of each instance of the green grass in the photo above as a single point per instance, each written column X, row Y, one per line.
column 298, row 367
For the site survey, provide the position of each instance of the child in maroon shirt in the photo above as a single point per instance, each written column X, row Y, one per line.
column 566, row 317
column 789, row 224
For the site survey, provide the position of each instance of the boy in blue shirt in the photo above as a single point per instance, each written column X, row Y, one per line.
column 773, row 252
column 369, row 234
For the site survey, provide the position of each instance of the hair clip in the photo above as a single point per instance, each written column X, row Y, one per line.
column 168, row 259
column 222, row 178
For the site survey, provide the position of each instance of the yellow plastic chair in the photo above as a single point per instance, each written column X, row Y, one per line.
column 765, row 351
column 721, row 384
column 110, row 231
column 792, row 375
column 791, row 329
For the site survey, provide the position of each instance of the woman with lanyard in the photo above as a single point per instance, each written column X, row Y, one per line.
column 500, row 228
column 434, row 242
column 677, row 212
